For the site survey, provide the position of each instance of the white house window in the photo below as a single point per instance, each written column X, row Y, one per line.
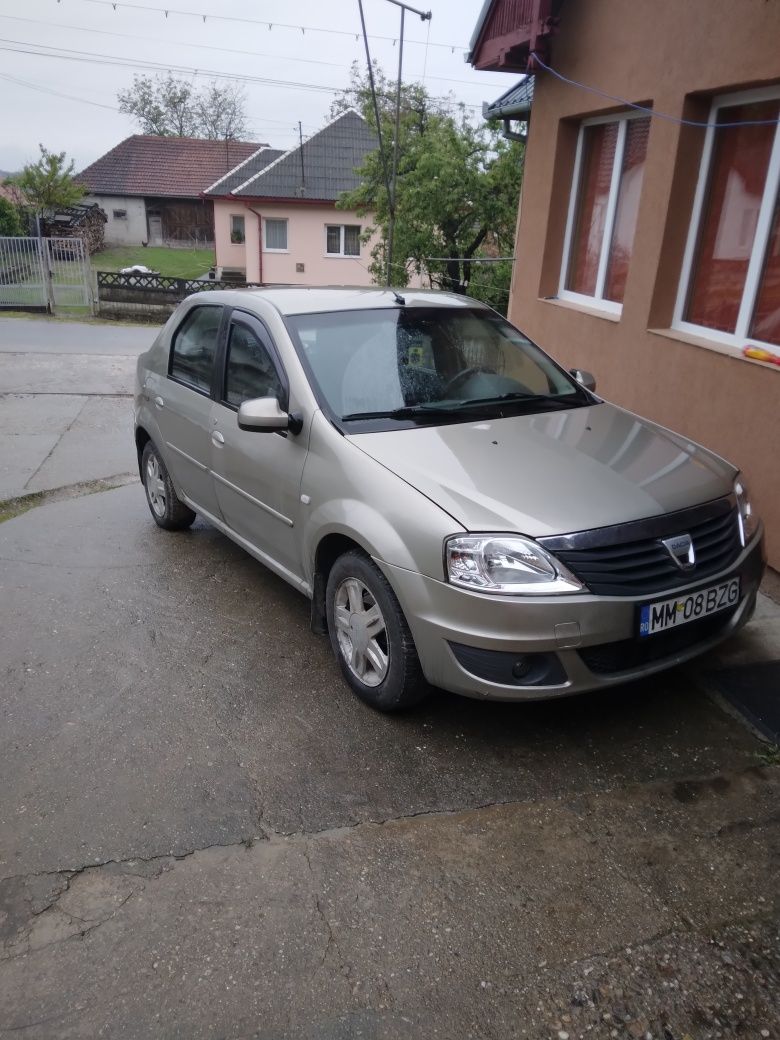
column 342, row 239
column 730, row 284
column 237, row 230
column 603, row 208
column 275, row 235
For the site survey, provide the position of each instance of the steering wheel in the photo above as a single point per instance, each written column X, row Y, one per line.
column 466, row 374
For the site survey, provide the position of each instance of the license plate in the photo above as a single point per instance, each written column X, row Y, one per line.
column 671, row 613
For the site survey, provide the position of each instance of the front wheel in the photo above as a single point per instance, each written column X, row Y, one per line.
column 370, row 636
column 165, row 505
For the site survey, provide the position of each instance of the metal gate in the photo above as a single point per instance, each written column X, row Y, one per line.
column 47, row 273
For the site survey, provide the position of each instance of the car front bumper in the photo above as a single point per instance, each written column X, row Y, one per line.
column 467, row 642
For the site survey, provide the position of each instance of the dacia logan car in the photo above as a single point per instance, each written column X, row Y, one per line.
column 462, row 512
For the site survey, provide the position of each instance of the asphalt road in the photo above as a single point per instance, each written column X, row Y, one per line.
column 204, row 834
column 65, row 402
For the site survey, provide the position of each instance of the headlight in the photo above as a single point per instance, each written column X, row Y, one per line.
column 506, row 564
column 748, row 521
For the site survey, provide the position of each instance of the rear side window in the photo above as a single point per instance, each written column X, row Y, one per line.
column 250, row 372
column 195, row 347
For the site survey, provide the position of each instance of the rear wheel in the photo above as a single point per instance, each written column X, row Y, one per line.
column 370, row 636
column 166, row 507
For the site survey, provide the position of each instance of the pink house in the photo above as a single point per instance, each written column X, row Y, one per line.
column 275, row 216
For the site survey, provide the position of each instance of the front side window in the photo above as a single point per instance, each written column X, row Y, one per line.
column 731, row 276
column 432, row 363
column 603, row 209
column 249, row 370
column 342, row 239
column 276, row 235
column 194, row 348
column 237, row 231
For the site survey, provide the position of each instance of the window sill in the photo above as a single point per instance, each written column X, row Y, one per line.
column 710, row 344
column 267, row 250
column 583, row 308
column 340, row 256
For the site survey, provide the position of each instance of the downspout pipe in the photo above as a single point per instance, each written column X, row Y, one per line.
column 259, row 240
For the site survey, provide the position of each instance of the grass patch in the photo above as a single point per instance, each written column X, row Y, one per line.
column 770, row 756
column 16, row 506
column 175, row 263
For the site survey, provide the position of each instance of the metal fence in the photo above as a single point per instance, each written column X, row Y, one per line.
column 44, row 273
column 160, row 283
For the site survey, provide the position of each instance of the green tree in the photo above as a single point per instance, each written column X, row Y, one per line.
column 171, row 107
column 456, row 197
column 10, row 222
column 48, row 183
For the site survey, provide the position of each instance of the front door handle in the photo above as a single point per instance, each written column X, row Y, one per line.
column 159, row 402
column 217, row 438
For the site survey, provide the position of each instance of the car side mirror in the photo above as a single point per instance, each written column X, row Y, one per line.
column 263, row 415
column 586, row 379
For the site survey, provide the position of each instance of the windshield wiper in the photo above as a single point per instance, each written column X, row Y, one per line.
column 519, row 396
column 413, row 411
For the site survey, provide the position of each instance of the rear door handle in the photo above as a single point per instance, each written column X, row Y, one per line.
column 159, row 402
column 217, row 437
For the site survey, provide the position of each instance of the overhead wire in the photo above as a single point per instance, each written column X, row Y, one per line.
column 270, row 23
column 96, row 58
column 214, row 47
column 649, row 110
column 56, row 93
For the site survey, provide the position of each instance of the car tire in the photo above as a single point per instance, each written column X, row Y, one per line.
column 370, row 636
column 167, row 509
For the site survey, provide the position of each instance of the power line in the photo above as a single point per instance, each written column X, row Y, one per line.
column 303, row 29
column 56, row 93
column 646, row 108
column 93, row 58
column 226, row 50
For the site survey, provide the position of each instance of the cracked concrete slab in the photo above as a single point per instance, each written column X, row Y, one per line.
column 471, row 924
column 98, row 443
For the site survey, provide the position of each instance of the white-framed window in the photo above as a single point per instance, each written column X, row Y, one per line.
column 275, row 235
column 730, row 282
column 603, row 207
column 237, row 229
column 342, row 239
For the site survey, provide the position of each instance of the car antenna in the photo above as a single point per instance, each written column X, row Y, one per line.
column 398, row 297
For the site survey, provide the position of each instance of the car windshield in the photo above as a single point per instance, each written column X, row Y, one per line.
column 428, row 363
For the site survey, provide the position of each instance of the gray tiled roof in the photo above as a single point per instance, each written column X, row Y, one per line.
column 254, row 164
column 330, row 158
column 514, row 103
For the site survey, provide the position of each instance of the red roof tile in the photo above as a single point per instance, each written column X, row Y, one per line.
column 179, row 167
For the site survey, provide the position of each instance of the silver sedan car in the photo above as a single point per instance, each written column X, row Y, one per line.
column 461, row 511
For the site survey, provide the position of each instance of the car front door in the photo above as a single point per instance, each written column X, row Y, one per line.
column 257, row 475
column 183, row 403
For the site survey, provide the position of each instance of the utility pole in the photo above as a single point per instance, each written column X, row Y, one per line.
column 424, row 17
column 389, row 183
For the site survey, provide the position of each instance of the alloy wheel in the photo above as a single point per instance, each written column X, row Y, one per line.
column 361, row 632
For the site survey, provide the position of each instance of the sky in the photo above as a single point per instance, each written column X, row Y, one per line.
column 64, row 95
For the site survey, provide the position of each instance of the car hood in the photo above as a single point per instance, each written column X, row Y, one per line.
column 552, row 473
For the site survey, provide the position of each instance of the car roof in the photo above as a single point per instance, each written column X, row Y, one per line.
column 310, row 300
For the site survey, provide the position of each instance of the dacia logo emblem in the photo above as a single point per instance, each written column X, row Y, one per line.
column 681, row 550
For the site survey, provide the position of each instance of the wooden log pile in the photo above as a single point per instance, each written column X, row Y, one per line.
column 80, row 221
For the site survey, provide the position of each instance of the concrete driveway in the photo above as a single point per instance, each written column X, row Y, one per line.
column 204, row 834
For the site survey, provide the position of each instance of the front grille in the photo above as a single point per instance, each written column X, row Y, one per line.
column 626, row 566
column 609, row 658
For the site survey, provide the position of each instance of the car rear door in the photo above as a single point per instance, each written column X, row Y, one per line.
column 257, row 475
column 183, row 403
